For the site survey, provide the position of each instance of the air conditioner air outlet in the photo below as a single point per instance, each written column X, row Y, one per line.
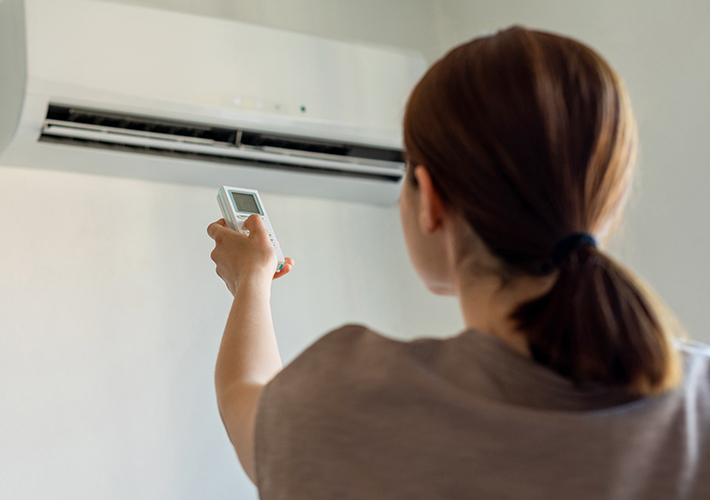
column 141, row 134
column 103, row 119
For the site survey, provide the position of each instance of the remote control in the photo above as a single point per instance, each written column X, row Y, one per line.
column 237, row 204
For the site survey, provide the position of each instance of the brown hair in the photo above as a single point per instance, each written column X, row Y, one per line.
column 529, row 137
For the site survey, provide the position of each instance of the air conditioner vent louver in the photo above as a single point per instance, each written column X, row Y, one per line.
column 71, row 115
column 121, row 132
column 353, row 151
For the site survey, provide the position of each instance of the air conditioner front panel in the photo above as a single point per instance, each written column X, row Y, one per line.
column 217, row 64
column 285, row 87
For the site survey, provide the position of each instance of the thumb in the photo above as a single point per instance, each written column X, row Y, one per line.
column 255, row 225
column 214, row 228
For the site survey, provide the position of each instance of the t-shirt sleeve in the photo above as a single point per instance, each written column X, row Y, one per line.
column 301, row 403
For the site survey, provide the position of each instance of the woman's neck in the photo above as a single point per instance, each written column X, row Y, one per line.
column 486, row 307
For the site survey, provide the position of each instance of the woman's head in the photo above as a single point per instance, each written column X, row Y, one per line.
column 521, row 139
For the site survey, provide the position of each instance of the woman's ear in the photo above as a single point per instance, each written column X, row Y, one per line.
column 431, row 208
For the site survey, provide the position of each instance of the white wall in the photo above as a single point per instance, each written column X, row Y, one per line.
column 111, row 313
column 661, row 49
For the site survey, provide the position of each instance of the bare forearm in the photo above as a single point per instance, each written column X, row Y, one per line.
column 248, row 354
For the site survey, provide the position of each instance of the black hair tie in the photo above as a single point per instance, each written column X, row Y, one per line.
column 569, row 244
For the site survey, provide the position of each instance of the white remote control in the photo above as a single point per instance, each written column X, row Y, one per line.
column 237, row 204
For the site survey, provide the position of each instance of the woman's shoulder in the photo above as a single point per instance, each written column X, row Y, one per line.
column 696, row 364
column 693, row 348
column 348, row 356
column 351, row 338
column 336, row 371
column 359, row 346
column 349, row 333
column 339, row 349
column 696, row 358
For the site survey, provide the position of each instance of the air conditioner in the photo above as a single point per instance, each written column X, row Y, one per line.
column 129, row 91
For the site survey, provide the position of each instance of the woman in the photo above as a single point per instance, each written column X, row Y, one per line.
column 567, row 382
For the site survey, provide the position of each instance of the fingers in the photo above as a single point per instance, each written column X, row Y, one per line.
column 214, row 228
column 288, row 265
column 255, row 225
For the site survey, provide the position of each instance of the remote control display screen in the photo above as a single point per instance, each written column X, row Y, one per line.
column 246, row 203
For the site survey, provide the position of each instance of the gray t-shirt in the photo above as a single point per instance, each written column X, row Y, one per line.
column 359, row 415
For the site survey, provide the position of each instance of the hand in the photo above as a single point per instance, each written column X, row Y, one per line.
column 239, row 257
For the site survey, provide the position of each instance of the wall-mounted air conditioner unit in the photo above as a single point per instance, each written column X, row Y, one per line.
column 128, row 91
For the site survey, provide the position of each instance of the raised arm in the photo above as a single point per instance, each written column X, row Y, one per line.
column 248, row 355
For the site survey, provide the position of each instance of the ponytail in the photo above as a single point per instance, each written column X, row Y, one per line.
column 597, row 325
